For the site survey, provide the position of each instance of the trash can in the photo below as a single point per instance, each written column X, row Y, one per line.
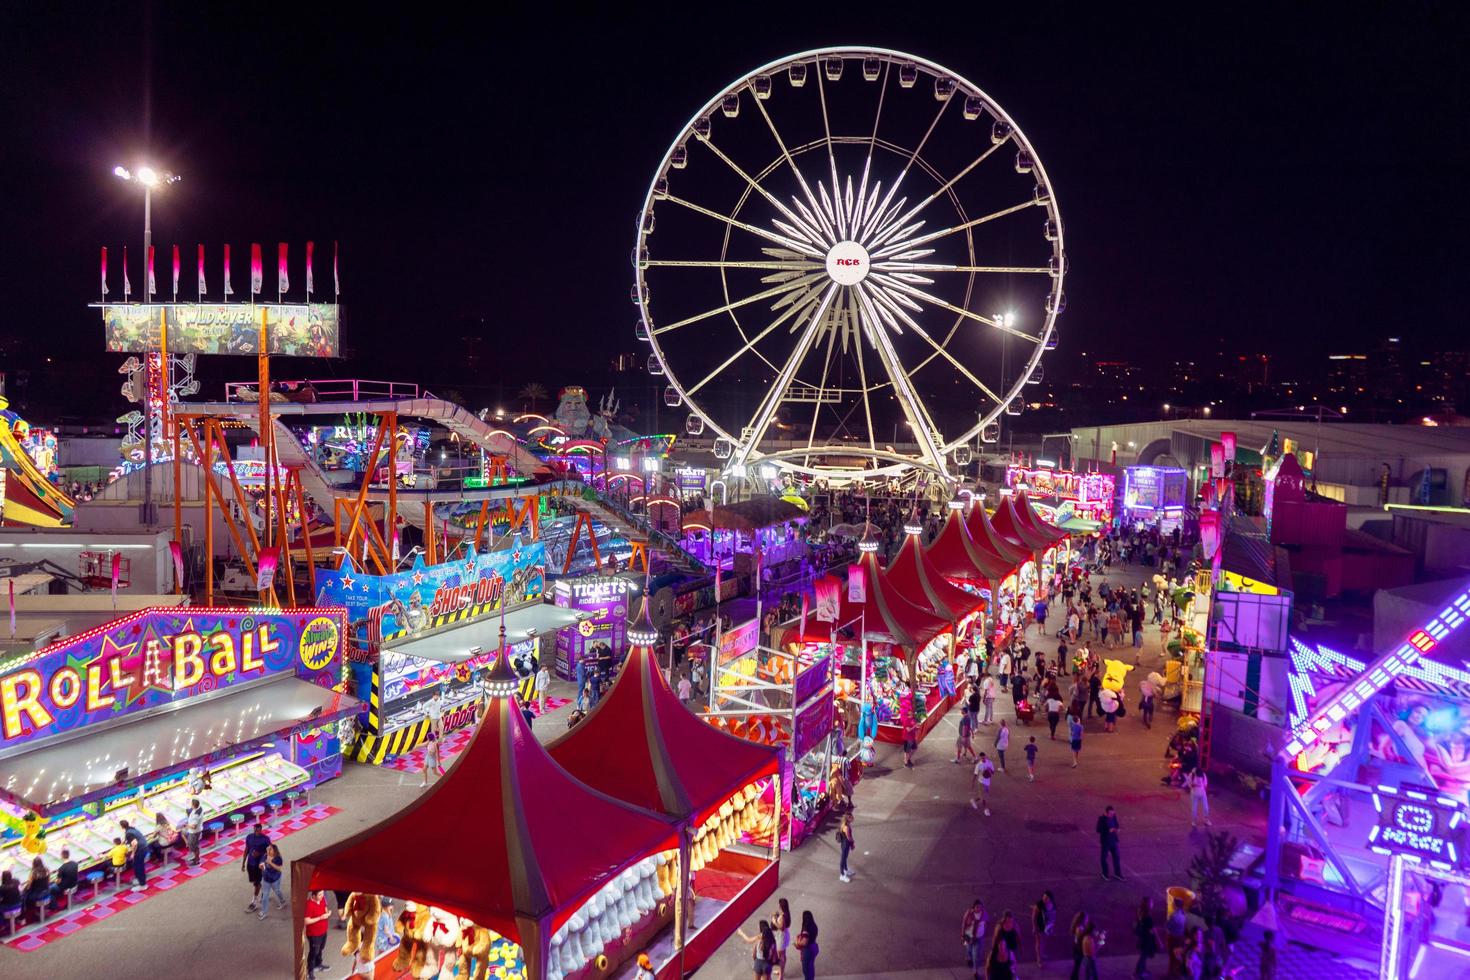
column 1177, row 895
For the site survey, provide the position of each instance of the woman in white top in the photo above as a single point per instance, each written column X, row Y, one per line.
column 1198, row 785
column 781, row 925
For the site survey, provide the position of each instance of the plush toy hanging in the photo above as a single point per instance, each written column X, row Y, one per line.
column 868, row 722
column 362, row 924
column 945, row 679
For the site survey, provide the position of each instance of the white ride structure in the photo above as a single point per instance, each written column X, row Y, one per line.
column 834, row 275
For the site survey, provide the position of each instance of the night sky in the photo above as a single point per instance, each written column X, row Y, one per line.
column 1287, row 178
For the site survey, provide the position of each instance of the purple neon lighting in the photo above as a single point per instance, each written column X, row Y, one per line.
column 1379, row 673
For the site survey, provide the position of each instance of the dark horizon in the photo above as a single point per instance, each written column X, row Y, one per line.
column 1287, row 182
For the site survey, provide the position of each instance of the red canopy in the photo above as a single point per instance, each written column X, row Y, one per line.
column 955, row 554
column 506, row 838
column 887, row 611
column 1031, row 518
column 641, row 745
column 918, row 581
column 986, row 535
column 1011, row 526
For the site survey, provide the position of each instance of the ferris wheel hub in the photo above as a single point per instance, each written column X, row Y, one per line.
column 848, row 263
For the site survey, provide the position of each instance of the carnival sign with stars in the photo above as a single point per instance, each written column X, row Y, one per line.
column 157, row 657
column 411, row 598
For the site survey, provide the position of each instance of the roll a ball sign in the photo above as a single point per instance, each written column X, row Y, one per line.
column 157, row 657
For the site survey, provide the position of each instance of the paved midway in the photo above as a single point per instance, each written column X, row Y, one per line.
column 922, row 855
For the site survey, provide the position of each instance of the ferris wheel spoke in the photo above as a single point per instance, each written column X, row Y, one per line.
column 767, row 408
column 821, row 389
column 895, row 286
column 732, row 264
column 862, row 218
column 933, row 235
column 943, row 189
column 831, row 156
column 778, row 290
column 809, row 231
column 798, row 246
column 867, row 400
column 903, row 387
column 790, row 162
column 878, row 296
column 895, row 265
column 802, row 303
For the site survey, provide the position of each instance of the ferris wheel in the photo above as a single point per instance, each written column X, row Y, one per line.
column 849, row 264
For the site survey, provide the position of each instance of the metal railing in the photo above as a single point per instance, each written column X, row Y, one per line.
column 329, row 390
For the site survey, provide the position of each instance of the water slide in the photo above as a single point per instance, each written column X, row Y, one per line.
column 30, row 500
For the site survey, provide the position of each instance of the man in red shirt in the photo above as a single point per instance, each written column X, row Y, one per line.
column 317, row 921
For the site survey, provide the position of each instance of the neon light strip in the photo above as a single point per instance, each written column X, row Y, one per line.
column 1380, row 672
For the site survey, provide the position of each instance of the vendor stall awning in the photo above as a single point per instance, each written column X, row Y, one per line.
column 920, row 582
column 956, row 554
column 642, row 745
column 1029, row 518
column 62, row 775
column 455, row 643
column 986, row 537
column 507, row 838
column 1010, row 524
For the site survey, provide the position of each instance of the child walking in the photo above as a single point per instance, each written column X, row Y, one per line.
column 1031, row 759
column 431, row 758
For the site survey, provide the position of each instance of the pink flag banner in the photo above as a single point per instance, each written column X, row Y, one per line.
column 310, row 247
column 127, row 286
column 828, row 599
column 203, row 285
column 176, row 550
column 265, row 572
column 336, row 280
column 228, row 290
column 176, row 273
column 1227, row 439
column 283, row 280
column 152, row 282
column 257, row 270
column 857, row 585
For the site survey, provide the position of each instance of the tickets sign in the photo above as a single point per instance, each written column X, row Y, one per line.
column 157, row 657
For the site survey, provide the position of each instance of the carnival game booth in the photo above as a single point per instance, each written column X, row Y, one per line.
column 507, row 863
column 903, row 650
column 642, row 746
column 969, row 564
column 431, row 628
column 1368, row 805
column 107, row 725
column 784, row 697
column 1014, row 585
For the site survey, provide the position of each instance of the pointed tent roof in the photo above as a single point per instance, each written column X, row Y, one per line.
column 887, row 611
column 955, row 554
column 986, row 536
column 501, row 839
column 918, row 581
column 1032, row 518
column 643, row 746
column 1011, row 526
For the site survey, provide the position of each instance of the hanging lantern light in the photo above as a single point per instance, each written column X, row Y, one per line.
column 869, row 544
column 642, row 632
column 502, row 681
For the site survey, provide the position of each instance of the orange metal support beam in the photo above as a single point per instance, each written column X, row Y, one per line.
column 295, row 478
column 431, row 551
column 484, row 517
column 214, row 488
column 179, row 507
column 367, row 479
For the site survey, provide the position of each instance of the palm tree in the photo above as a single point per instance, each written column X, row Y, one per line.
column 532, row 393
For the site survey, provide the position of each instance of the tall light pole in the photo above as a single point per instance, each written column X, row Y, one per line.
column 149, row 179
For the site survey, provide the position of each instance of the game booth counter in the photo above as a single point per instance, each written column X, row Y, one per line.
column 641, row 745
column 538, row 896
column 785, row 697
column 901, row 657
column 429, row 629
column 108, row 725
column 1366, row 850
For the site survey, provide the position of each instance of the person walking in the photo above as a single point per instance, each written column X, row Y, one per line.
column 1147, row 937
column 1081, row 922
column 972, row 934
column 1146, row 703
column 1197, row 785
column 270, row 875
column 193, row 826
column 987, row 697
column 1043, row 920
column 543, row 688
column 1074, row 733
column 1053, row 713
column 1107, row 839
column 1094, row 689
column 318, row 921
column 910, row 743
column 1003, row 948
column 962, row 746
column 252, row 862
column 806, row 946
column 1092, row 942
column 431, row 758
column 1031, row 759
column 844, row 845
column 981, row 795
column 1002, row 742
